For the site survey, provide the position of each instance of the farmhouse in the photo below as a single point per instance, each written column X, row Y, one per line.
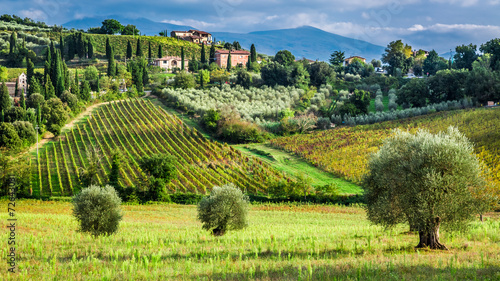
column 195, row 36
column 22, row 84
column 349, row 60
column 170, row 62
column 238, row 57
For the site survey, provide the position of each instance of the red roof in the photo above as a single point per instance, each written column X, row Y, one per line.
column 200, row 32
column 237, row 52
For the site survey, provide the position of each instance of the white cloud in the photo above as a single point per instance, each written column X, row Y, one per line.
column 193, row 23
column 416, row 27
column 463, row 3
column 33, row 14
column 365, row 15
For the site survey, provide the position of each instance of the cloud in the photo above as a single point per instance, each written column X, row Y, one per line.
column 33, row 14
column 192, row 22
column 463, row 3
column 416, row 27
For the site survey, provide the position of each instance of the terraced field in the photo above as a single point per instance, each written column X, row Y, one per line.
column 139, row 128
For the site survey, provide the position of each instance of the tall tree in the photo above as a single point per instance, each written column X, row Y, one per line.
column 81, row 45
column 130, row 30
column 253, row 53
column 337, row 58
column 212, row 54
column 85, row 91
column 433, row 63
column 492, row 47
column 203, row 58
column 111, row 63
column 138, row 51
column 49, row 89
column 71, row 47
column 5, row 102
column 236, row 45
column 48, row 63
column 13, row 40
column 160, row 51
column 16, row 88
column 61, row 46
column 396, row 54
column 182, row 59
column 108, row 48
column 284, row 57
column 57, row 75
column 90, row 48
column 229, row 66
column 111, row 26
column 22, row 101
column 465, row 56
column 129, row 50
column 150, row 54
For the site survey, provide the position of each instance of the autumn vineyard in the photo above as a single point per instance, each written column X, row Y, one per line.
column 139, row 128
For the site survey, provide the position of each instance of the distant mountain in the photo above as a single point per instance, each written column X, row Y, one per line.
column 146, row 26
column 306, row 41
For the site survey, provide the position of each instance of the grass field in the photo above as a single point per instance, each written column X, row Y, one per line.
column 282, row 242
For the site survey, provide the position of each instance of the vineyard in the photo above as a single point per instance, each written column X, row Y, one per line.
column 138, row 128
column 345, row 151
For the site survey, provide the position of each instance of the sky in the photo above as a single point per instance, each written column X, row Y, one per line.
column 423, row 24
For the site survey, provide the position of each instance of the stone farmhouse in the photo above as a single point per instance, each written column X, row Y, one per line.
column 170, row 62
column 239, row 57
column 22, row 84
column 349, row 60
column 195, row 36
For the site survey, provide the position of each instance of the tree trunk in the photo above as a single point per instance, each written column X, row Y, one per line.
column 430, row 236
column 218, row 231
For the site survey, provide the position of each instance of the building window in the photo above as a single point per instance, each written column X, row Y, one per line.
column 164, row 61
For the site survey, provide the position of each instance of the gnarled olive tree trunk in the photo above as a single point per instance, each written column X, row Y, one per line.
column 429, row 237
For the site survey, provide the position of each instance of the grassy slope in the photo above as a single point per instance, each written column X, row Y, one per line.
column 166, row 242
column 294, row 165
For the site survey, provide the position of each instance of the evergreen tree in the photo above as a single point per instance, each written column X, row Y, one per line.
column 22, row 101
column 116, row 69
column 5, row 103
column 150, row 54
column 203, row 58
column 253, row 54
column 111, row 63
column 16, row 89
column 58, row 76
column 81, row 45
column 108, row 49
column 129, row 50
column 66, row 77
column 76, row 77
column 71, row 47
column 13, row 40
column 212, row 54
column 229, row 66
column 48, row 63
column 138, row 51
column 49, row 89
column 90, row 49
column 85, row 91
column 30, row 70
column 182, row 59
column 145, row 75
column 97, row 86
column 61, row 46
column 201, row 79
column 34, row 87
column 160, row 51
column 38, row 115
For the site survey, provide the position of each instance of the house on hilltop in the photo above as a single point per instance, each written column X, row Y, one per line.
column 170, row 62
column 349, row 60
column 194, row 36
column 238, row 57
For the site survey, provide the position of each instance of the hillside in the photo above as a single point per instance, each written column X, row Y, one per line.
column 344, row 151
column 138, row 128
column 305, row 41
column 146, row 26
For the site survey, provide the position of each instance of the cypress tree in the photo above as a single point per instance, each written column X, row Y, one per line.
column 16, row 89
column 5, row 103
column 97, row 86
column 111, row 63
column 116, row 69
column 38, row 115
column 76, row 76
column 61, row 46
column 182, row 59
column 203, row 59
column 22, row 101
column 3, row 118
column 90, row 49
column 49, row 89
column 34, row 87
column 138, row 51
column 212, row 53
column 67, row 78
column 129, row 50
column 81, row 45
column 85, row 91
column 48, row 63
column 13, row 39
column 229, row 61
column 71, row 47
column 160, row 51
column 253, row 53
column 58, row 75
column 150, row 54
column 30, row 70
column 201, row 79
column 145, row 75
column 108, row 49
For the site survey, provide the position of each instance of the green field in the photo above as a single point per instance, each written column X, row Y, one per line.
column 282, row 242
column 139, row 128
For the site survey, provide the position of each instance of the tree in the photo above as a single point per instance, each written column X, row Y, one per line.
column 183, row 66
column 284, row 57
column 22, row 101
column 220, row 76
column 97, row 210
column 203, row 59
column 228, row 65
column 492, row 47
column 162, row 166
column 337, row 58
column 55, row 114
column 50, row 92
column 433, row 63
column 465, row 56
column 111, row 63
column 226, row 208
column 236, row 45
column 275, row 74
column 117, row 161
column 415, row 93
column 129, row 50
column 361, row 100
column 193, row 64
column 424, row 180
column 150, row 54
column 111, row 26
column 130, row 30
column 160, row 51
column 376, row 63
column 253, row 53
column 212, row 54
column 89, row 173
column 184, row 80
column 35, row 100
column 244, row 79
column 448, row 85
column 30, row 72
column 13, row 43
column 138, row 50
column 396, row 54
column 8, row 136
column 90, row 49
column 5, row 102
column 61, row 46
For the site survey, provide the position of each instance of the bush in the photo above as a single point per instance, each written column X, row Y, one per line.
column 210, row 119
column 239, row 131
column 35, row 100
column 323, row 123
column 25, row 131
column 97, row 210
column 8, row 136
column 224, row 209
column 161, row 166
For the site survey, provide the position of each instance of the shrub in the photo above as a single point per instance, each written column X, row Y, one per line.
column 35, row 100
column 97, row 210
column 8, row 136
column 224, row 209
column 25, row 131
column 161, row 166
column 323, row 123
column 210, row 119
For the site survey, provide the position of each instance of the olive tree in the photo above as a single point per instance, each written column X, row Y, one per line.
column 224, row 209
column 425, row 180
column 98, row 210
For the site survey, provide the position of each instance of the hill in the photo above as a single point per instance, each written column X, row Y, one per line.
column 344, row 151
column 146, row 26
column 138, row 128
column 306, row 41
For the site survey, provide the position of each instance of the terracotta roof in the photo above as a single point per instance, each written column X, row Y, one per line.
column 355, row 57
column 169, row 58
column 238, row 52
column 200, row 32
